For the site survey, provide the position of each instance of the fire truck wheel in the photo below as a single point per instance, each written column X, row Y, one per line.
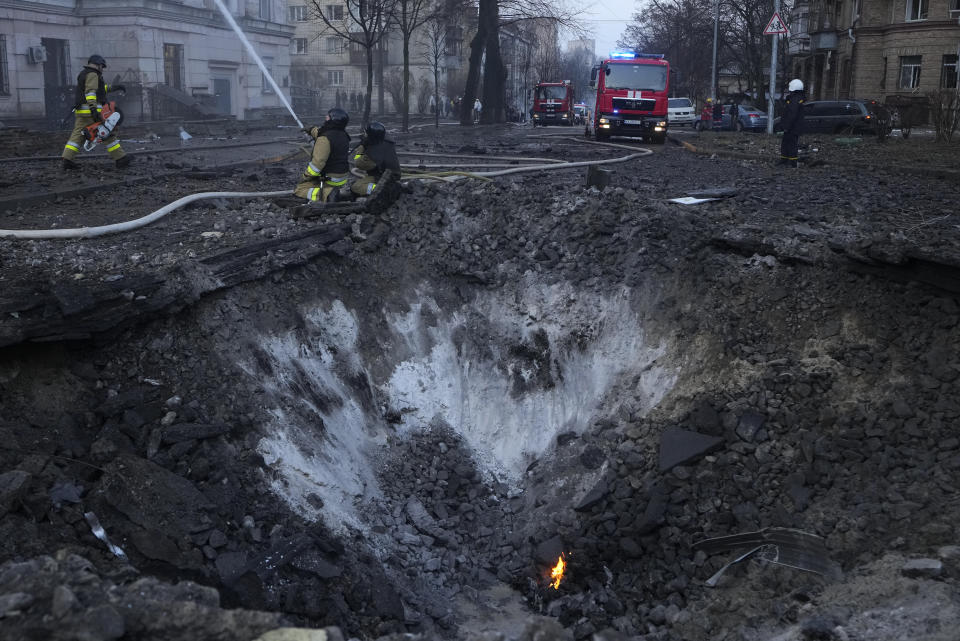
column 599, row 134
column 658, row 140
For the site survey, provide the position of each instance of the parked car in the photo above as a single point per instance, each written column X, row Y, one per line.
column 681, row 111
column 749, row 118
column 837, row 116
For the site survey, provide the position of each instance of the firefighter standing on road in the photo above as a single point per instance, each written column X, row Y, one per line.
column 706, row 116
column 328, row 168
column 375, row 155
column 792, row 122
column 91, row 95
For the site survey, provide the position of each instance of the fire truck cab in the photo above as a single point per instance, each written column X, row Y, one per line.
column 553, row 103
column 632, row 90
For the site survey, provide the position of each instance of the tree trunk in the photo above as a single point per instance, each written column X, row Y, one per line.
column 436, row 94
column 476, row 58
column 381, row 54
column 406, row 83
column 494, row 72
column 369, row 96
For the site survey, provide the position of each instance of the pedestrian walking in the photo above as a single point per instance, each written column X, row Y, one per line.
column 477, row 110
column 328, row 168
column 792, row 122
column 717, row 116
column 89, row 99
column 734, row 116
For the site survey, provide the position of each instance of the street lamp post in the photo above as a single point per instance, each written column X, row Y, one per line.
column 716, row 30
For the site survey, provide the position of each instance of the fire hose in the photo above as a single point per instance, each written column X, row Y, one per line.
column 115, row 228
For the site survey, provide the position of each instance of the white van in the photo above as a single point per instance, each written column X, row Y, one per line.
column 680, row 111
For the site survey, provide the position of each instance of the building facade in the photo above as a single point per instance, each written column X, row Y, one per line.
column 875, row 48
column 164, row 51
column 328, row 69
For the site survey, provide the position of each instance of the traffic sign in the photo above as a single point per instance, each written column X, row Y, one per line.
column 776, row 26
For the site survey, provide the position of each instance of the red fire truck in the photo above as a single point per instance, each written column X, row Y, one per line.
column 632, row 93
column 553, row 103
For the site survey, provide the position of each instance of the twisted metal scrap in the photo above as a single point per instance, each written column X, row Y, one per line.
column 782, row 546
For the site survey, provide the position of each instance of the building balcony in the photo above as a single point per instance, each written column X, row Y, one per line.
column 823, row 41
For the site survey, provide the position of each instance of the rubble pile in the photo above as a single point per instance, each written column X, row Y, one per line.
column 771, row 361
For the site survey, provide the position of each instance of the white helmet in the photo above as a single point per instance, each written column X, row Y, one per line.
column 795, row 85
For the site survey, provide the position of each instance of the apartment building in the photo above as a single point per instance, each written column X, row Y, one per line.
column 875, row 48
column 164, row 51
column 328, row 69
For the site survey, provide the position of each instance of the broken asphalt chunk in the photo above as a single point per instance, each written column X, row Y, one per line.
column 679, row 447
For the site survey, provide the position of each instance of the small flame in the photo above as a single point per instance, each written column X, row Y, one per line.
column 556, row 574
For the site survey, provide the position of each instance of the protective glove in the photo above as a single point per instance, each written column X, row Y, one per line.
column 313, row 132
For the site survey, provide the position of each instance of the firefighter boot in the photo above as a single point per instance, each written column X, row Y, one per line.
column 69, row 164
column 123, row 162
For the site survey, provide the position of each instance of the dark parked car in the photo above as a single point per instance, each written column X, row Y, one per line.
column 837, row 116
column 749, row 118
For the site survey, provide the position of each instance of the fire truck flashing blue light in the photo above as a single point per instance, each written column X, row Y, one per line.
column 624, row 54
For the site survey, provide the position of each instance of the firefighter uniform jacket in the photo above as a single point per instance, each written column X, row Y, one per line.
column 792, row 122
column 374, row 160
column 90, row 96
column 328, row 167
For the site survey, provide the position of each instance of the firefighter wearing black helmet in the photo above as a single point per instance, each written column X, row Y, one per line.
column 375, row 155
column 90, row 97
column 328, row 168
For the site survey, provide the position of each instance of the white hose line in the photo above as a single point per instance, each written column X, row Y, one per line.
column 477, row 156
column 583, row 163
column 104, row 230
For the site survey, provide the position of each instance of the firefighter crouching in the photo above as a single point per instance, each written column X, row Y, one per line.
column 375, row 155
column 91, row 95
column 328, row 168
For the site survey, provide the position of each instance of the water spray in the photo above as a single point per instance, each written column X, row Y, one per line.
column 246, row 43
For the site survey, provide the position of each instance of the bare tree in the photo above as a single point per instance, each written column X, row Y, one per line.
column 485, row 47
column 410, row 16
column 683, row 31
column 433, row 52
column 361, row 22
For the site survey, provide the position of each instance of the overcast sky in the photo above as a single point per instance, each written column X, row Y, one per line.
column 608, row 19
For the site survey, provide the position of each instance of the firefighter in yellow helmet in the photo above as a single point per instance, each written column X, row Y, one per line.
column 328, row 168
column 374, row 156
column 90, row 97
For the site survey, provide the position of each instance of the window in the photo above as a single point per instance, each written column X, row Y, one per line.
column 917, row 9
column 334, row 12
column 948, row 72
column 910, row 72
column 4, row 71
column 954, row 8
column 298, row 46
column 299, row 77
column 334, row 45
column 452, row 40
column 265, row 9
column 883, row 76
column 335, row 78
column 297, row 13
column 266, row 87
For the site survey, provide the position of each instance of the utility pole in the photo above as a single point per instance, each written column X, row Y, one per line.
column 773, row 71
column 716, row 30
